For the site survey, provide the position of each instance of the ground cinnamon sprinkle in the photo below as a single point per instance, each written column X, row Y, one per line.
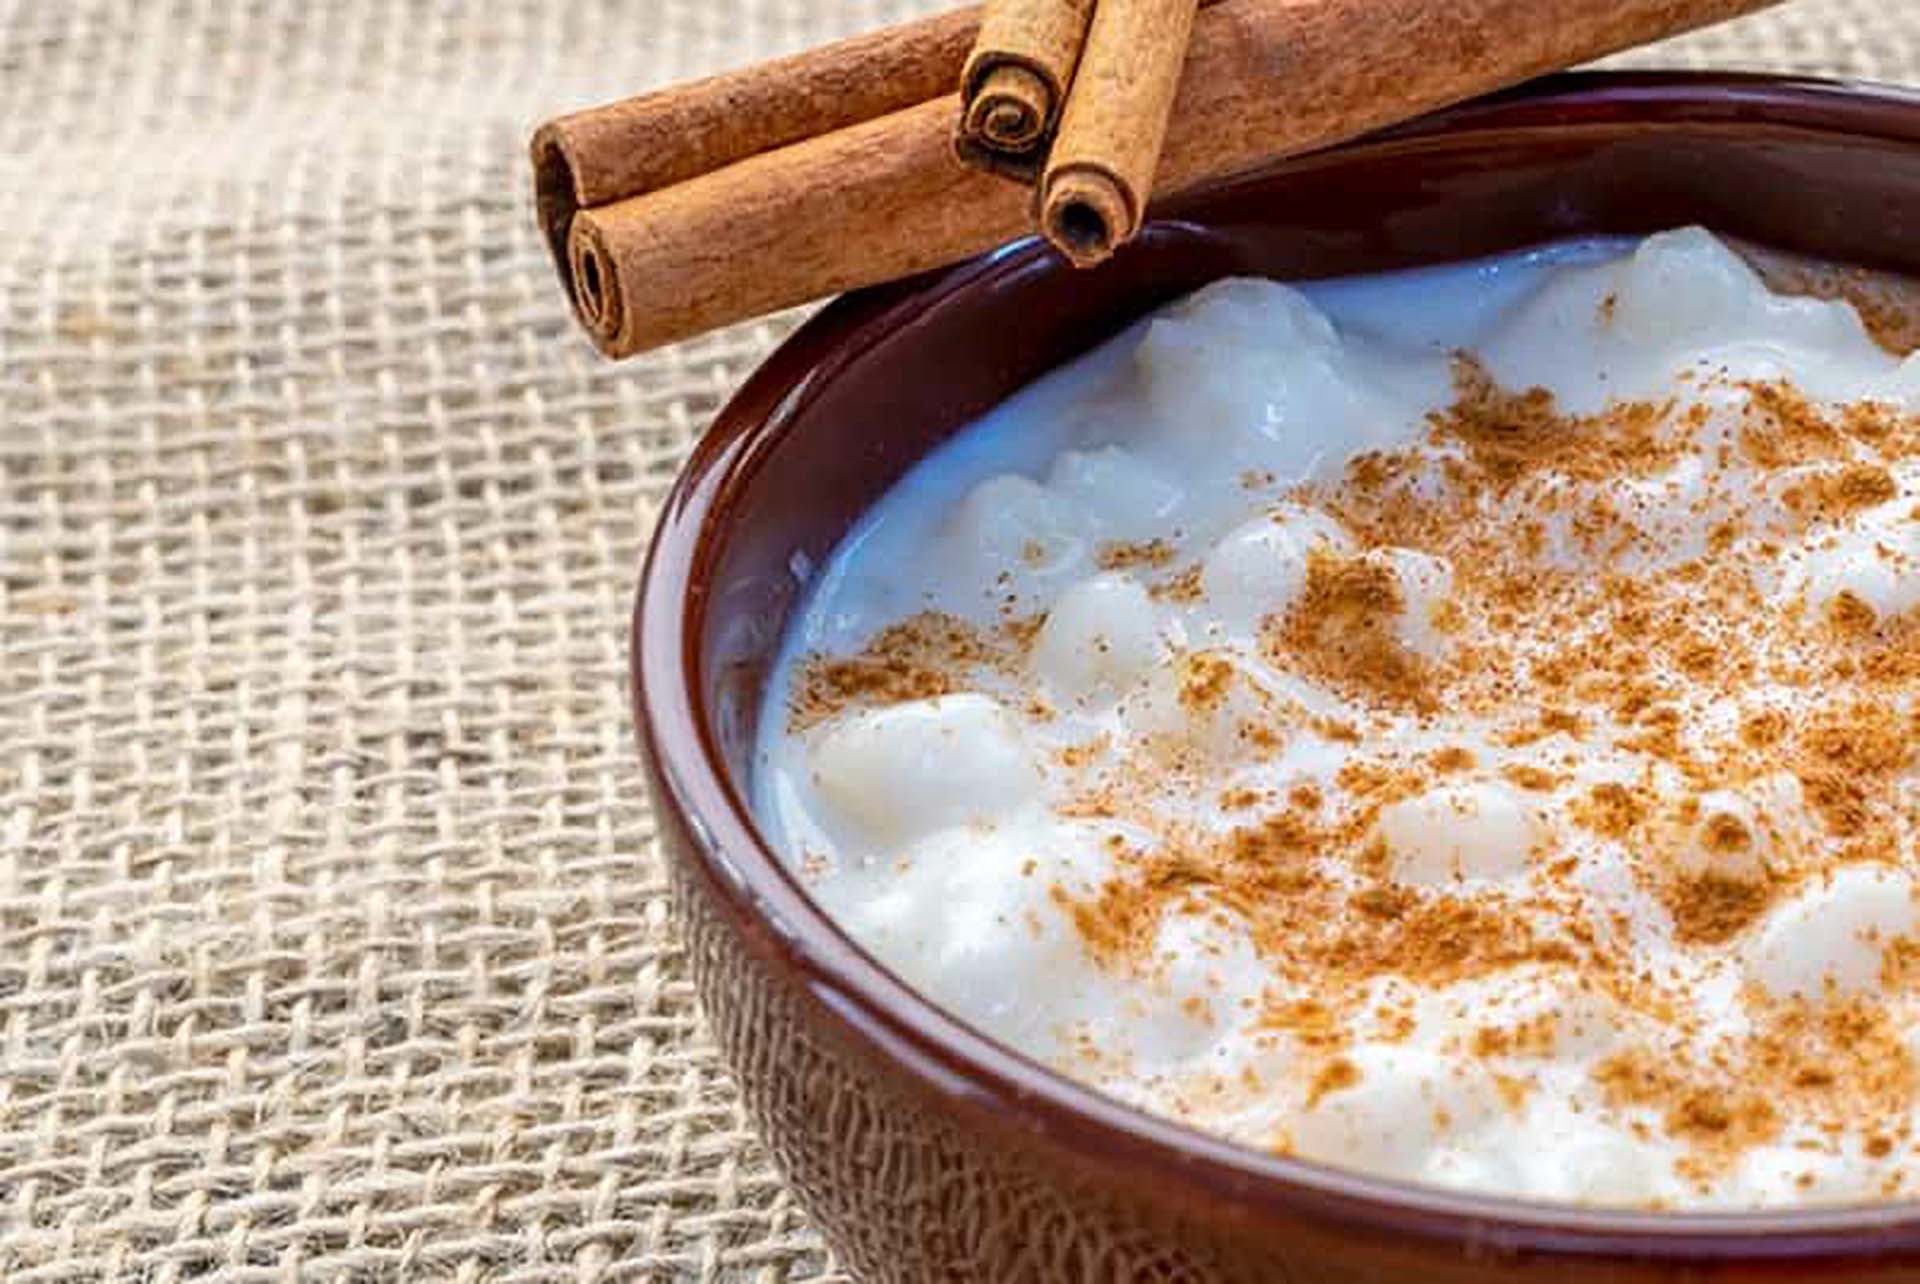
column 1763, row 728
column 1377, row 782
column 1894, row 659
column 1860, row 738
column 1844, row 754
column 1511, row 434
column 1839, row 1066
column 1118, row 925
column 1433, row 941
column 1282, row 835
column 1334, row 1076
column 1841, row 801
column 1534, row 1037
column 1869, row 420
column 1087, row 751
column 1711, row 1119
column 1711, row 909
column 1313, row 1024
column 1268, row 873
column 1182, row 587
column 1782, row 427
column 1204, row 680
column 1123, row 554
column 1343, row 630
column 1844, row 492
column 1021, row 630
column 918, row 658
column 1611, row 809
column 1851, row 616
column 1849, row 1056
column 1536, row 779
column 1717, row 1118
column 1239, row 798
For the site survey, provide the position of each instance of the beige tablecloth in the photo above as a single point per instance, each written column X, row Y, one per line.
column 332, row 944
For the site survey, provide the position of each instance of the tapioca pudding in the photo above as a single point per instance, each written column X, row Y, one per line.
column 1459, row 724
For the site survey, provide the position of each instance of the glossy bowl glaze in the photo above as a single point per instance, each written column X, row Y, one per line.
column 929, row 1152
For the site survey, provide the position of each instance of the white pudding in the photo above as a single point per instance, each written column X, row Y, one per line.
column 1460, row 724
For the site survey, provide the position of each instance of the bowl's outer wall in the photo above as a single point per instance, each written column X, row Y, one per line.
column 917, row 1163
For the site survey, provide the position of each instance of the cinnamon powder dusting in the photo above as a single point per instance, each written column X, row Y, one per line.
column 919, row 658
column 1837, row 1066
column 1344, row 631
column 1711, row 909
column 1562, row 660
column 1509, row 435
column 1120, row 555
column 1615, row 643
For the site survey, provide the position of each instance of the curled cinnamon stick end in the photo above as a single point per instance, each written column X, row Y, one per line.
column 1011, row 110
column 555, row 197
column 1086, row 214
column 597, row 286
column 1015, row 83
column 1100, row 172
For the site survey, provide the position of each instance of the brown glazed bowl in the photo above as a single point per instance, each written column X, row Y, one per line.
column 929, row 1152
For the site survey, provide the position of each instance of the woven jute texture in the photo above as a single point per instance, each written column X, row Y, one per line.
column 332, row 940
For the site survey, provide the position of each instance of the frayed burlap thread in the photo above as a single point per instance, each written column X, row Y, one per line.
column 333, row 943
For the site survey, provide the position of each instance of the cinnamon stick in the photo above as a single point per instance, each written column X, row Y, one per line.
column 882, row 199
column 1016, row 80
column 886, row 198
column 658, row 139
column 1099, row 174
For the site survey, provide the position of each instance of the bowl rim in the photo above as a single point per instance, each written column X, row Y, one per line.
column 1002, row 1091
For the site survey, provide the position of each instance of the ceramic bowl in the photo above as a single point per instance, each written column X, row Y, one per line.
column 926, row 1151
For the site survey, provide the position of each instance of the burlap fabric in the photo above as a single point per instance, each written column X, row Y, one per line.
column 332, row 942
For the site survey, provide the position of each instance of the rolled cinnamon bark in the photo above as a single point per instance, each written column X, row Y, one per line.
column 1099, row 174
column 882, row 199
column 1016, row 80
column 658, row 139
column 886, row 198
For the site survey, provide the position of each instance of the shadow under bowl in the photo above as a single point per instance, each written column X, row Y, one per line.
column 927, row 1151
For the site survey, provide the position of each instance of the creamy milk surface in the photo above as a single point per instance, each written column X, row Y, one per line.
column 1460, row 725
